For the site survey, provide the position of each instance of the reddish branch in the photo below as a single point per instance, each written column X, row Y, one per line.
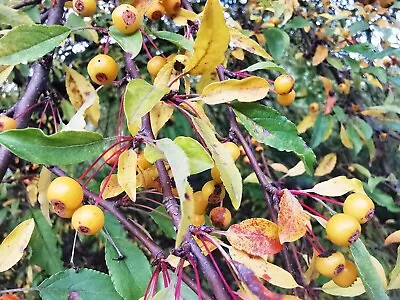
column 35, row 87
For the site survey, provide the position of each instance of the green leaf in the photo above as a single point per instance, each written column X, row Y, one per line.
column 395, row 81
column 352, row 63
column 387, row 108
column 277, row 41
column 160, row 216
column 63, row 148
column 130, row 275
column 176, row 39
column 75, row 21
column 395, row 274
column 13, row 17
column 46, row 253
column 335, row 62
column 381, row 198
column 265, row 65
column 230, row 174
column 29, row 42
column 297, row 22
column 355, row 139
column 269, row 127
column 199, row 159
column 165, row 293
column 363, row 128
column 140, row 98
column 179, row 164
column 186, row 292
column 358, row 26
column 128, row 43
column 319, row 129
column 113, row 226
column 86, row 284
column 368, row 275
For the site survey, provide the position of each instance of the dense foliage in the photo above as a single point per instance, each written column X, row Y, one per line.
column 199, row 150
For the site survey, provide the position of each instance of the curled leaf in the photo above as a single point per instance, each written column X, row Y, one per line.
column 239, row 40
column 112, row 188
column 393, row 238
column 338, row 186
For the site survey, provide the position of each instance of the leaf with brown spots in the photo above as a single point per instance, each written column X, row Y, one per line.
column 112, row 188
column 256, row 236
column 127, row 173
column 292, row 219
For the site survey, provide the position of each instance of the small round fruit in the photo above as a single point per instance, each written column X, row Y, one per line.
column 88, row 219
column 216, row 175
column 102, row 69
column 286, row 99
column 142, row 162
column 342, row 88
column 348, row 276
column 68, row 4
column 66, row 213
column 343, row 230
column 274, row 21
column 360, row 206
column 171, row 6
column 200, row 203
column 198, row 220
column 126, row 18
column 213, row 192
column 84, row 8
column 111, row 157
column 64, row 193
column 155, row 64
column 7, row 123
column 156, row 11
column 233, row 149
column 313, row 107
column 283, row 84
column 330, row 263
column 220, row 217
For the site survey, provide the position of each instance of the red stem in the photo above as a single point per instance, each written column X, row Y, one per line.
column 314, row 196
column 315, row 238
column 149, row 56
column 313, row 211
column 179, row 268
column 54, row 117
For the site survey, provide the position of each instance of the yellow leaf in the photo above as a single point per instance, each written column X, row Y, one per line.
column 210, row 245
column 328, row 130
column 372, row 80
column 159, row 115
column 260, row 38
column 211, row 42
column 77, row 122
column 394, row 283
column 327, row 84
column 141, row 5
column 80, row 90
column 393, row 238
column 238, row 53
column 307, row 123
column 174, row 261
column 43, row 184
column 183, row 16
column 239, row 40
column 206, row 79
column 338, row 186
column 320, row 220
column 320, row 54
column 292, row 220
column 356, row 289
column 112, row 188
column 32, row 191
column 246, row 90
column 230, row 174
column 326, row 165
column 265, row 270
column 279, row 167
column 297, row 170
column 311, row 273
column 344, row 137
column 168, row 75
column 5, row 71
column 127, row 172
column 13, row 246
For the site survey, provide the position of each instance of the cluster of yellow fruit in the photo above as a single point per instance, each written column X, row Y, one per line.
column 342, row 230
column 102, row 68
column 7, row 123
column 66, row 195
column 283, row 86
column 214, row 192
